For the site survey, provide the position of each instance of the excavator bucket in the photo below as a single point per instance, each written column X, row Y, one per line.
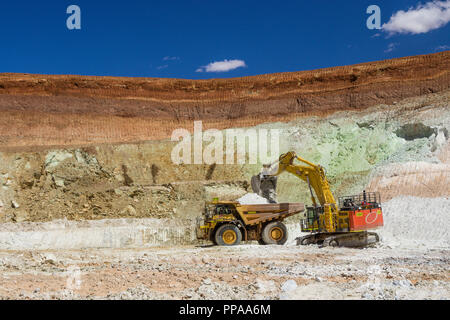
column 256, row 184
column 265, row 186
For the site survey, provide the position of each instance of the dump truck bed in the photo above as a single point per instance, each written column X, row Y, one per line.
column 257, row 213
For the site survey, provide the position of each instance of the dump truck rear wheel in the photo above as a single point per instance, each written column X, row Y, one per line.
column 274, row 233
column 228, row 235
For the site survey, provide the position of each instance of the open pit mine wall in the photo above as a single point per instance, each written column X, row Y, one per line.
column 399, row 150
column 45, row 110
column 66, row 150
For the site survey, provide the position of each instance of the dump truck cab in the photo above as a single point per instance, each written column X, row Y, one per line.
column 228, row 222
column 217, row 214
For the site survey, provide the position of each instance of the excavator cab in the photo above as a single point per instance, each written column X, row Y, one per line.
column 311, row 221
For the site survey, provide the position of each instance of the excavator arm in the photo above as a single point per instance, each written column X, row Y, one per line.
column 314, row 175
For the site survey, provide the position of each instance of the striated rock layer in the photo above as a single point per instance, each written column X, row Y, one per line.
column 45, row 110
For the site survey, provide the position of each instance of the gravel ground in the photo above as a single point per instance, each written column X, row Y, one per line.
column 242, row 272
column 156, row 259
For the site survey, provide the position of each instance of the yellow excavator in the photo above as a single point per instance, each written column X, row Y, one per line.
column 329, row 223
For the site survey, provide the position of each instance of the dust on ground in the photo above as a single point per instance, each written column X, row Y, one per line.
column 211, row 272
column 160, row 259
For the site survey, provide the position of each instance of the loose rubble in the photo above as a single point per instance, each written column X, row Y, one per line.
column 252, row 198
column 249, row 271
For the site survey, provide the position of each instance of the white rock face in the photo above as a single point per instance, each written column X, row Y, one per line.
column 413, row 221
column 107, row 233
column 252, row 198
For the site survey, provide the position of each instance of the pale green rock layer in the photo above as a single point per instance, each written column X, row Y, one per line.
column 353, row 145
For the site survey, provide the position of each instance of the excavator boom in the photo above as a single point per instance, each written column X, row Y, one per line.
column 313, row 175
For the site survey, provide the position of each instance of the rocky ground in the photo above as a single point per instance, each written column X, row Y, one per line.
column 161, row 259
column 243, row 272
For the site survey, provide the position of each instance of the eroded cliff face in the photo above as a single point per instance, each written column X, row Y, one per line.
column 42, row 110
column 135, row 181
column 400, row 149
column 89, row 148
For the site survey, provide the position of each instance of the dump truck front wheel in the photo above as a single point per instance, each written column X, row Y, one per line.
column 228, row 235
column 274, row 233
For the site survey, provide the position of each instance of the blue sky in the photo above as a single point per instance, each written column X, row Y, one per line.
column 178, row 39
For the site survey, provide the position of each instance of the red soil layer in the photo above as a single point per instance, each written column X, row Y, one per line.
column 55, row 110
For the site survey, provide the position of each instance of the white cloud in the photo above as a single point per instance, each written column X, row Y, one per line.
column 391, row 47
column 442, row 48
column 222, row 66
column 162, row 67
column 422, row 19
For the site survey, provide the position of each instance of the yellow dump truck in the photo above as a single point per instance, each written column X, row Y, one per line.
column 227, row 223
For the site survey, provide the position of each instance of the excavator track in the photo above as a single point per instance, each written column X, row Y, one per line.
column 340, row 239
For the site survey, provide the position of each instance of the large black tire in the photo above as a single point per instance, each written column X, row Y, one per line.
column 274, row 233
column 228, row 235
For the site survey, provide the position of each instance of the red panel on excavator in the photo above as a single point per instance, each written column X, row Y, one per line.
column 366, row 219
